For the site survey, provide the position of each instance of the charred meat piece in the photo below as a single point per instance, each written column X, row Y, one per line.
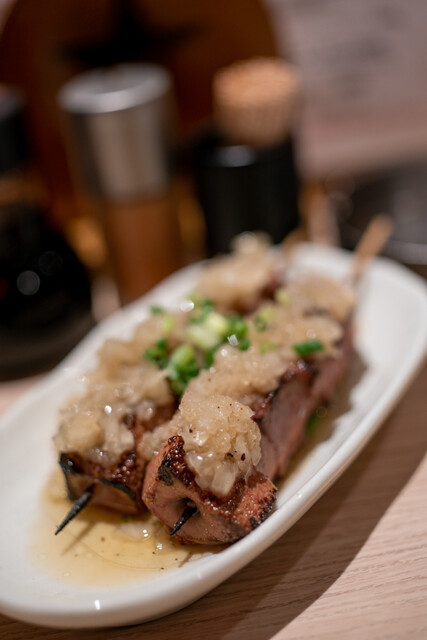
column 282, row 416
column 119, row 486
column 170, row 488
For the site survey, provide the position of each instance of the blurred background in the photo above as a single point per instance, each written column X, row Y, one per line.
column 139, row 136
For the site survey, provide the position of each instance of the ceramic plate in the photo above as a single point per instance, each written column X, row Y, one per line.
column 391, row 342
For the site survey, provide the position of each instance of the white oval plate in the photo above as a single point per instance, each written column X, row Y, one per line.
column 391, row 340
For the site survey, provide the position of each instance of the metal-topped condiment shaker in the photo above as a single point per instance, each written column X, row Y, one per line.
column 120, row 125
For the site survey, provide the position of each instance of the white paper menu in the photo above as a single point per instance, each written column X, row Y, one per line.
column 364, row 72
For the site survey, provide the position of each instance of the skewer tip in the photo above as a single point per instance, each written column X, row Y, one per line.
column 371, row 243
column 77, row 507
column 189, row 511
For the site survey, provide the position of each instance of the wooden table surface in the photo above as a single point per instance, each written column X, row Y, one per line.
column 355, row 566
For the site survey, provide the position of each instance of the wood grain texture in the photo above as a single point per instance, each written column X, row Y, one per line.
column 355, row 566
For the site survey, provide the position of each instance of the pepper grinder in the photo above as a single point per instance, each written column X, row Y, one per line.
column 244, row 167
column 120, row 125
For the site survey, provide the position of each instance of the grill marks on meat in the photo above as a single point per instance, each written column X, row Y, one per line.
column 119, row 486
column 167, row 486
column 170, row 486
column 283, row 415
column 116, row 488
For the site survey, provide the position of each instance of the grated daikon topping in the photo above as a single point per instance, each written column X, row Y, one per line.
column 311, row 291
column 115, row 353
column 152, row 441
column 92, row 424
column 285, row 327
column 237, row 280
column 222, row 442
column 122, row 381
column 240, row 373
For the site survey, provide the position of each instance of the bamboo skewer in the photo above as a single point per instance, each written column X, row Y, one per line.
column 189, row 511
column 370, row 245
column 318, row 217
column 77, row 507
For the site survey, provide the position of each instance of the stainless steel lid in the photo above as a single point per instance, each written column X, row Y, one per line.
column 120, row 129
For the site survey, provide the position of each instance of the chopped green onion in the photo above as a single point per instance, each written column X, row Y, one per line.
column 168, row 323
column 201, row 337
column 198, row 301
column 183, row 355
column 260, row 323
column 237, row 327
column 202, row 308
column 244, row 344
column 156, row 309
column 282, row 297
column 267, row 345
column 216, row 323
column 312, row 423
column 158, row 354
column 177, row 387
column 308, row 347
column 209, row 357
column 183, row 372
column 206, row 304
column 181, row 368
column 266, row 313
column 178, row 381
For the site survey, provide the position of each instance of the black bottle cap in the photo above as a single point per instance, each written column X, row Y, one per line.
column 244, row 188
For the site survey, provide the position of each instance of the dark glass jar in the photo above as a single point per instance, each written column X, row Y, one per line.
column 45, row 292
column 244, row 188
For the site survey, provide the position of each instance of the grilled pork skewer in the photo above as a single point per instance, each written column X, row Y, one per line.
column 170, row 485
column 281, row 409
column 220, row 516
column 117, row 487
